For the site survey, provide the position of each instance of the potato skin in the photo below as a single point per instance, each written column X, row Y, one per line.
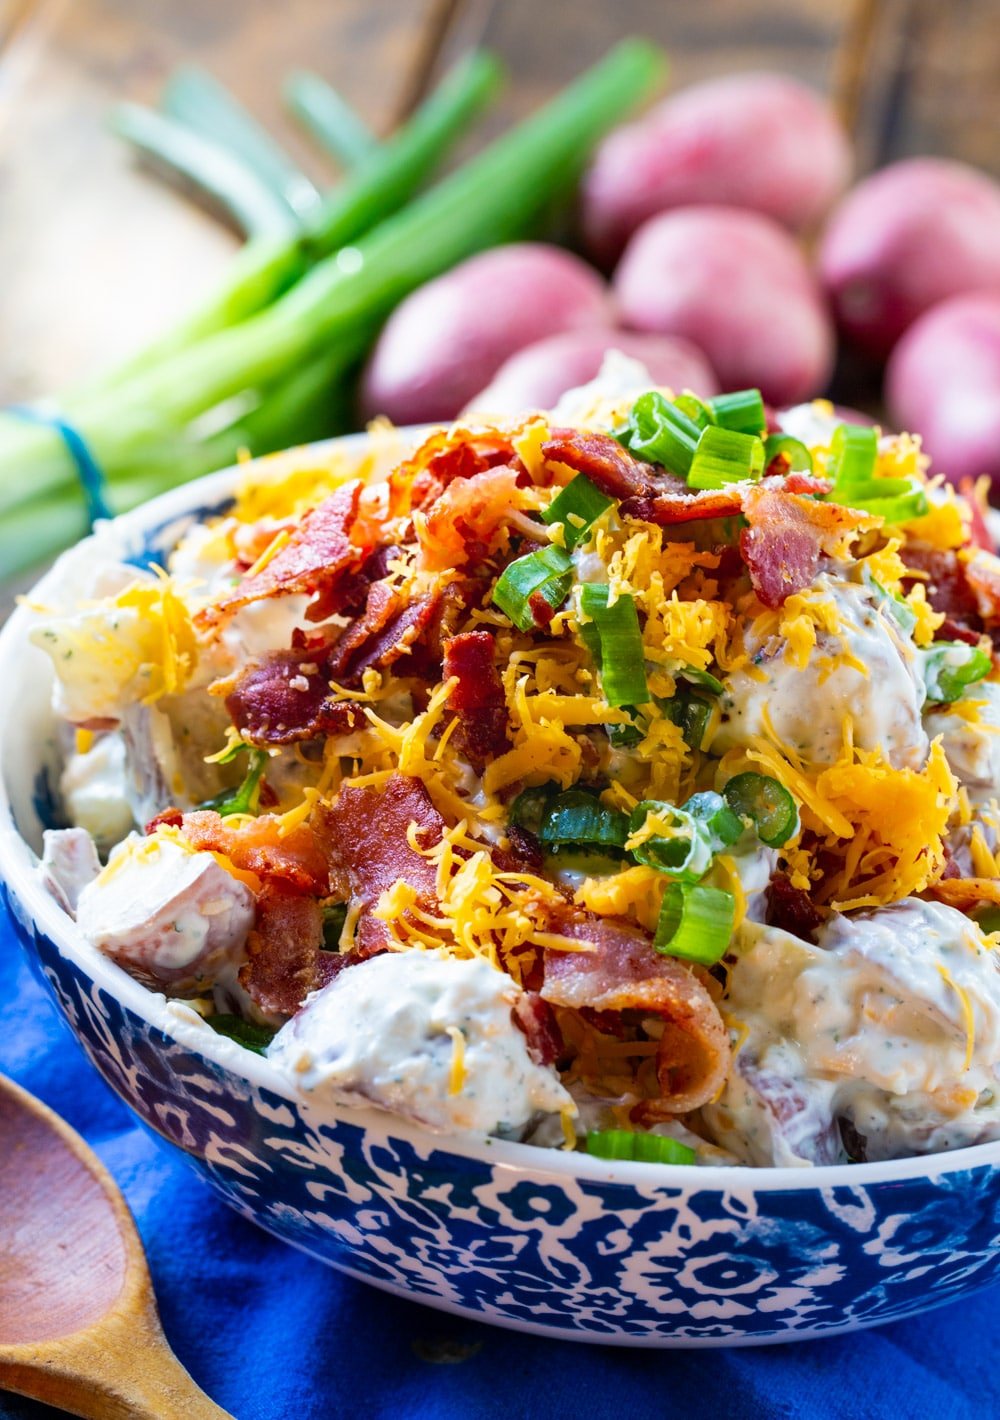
column 758, row 140
column 448, row 339
column 943, row 382
column 737, row 285
column 535, row 377
column 911, row 235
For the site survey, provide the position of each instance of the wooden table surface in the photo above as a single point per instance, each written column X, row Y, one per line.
column 96, row 255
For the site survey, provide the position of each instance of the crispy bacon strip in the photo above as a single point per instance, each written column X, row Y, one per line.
column 296, row 860
column 283, row 951
column 478, row 699
column 287, row 698
column 537, row 1019
column 644, row 491
column 791, row 909
column 386, row 638
column 623, row 973
column 786, row 537
column 319, row 558
column 365, row 835
column 978, row 530
column 462, row 523
column 441, row 459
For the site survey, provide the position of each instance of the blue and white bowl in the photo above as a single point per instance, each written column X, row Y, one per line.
column 559, row 1244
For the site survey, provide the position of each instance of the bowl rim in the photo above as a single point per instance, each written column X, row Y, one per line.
column 17, row 867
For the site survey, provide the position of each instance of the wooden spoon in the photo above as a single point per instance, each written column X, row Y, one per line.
column 78, row 1321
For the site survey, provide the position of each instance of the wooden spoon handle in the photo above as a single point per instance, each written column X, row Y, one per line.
column 102, row 1375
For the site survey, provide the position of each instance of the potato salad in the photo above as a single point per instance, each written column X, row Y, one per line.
column 620, row 778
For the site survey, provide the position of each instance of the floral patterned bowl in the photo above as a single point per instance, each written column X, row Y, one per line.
column 559, row 1244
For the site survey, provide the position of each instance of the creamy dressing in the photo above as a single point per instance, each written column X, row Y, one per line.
column 384, row 1033
column 171, row 916
column 878, row 693
column 972, row 747
column 94, row 790
column 892, row 1022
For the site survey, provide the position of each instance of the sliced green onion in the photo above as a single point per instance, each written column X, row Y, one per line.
column 622, row 663
column 797, row 456
column 577, row 507
column 767, row 804
column 646, row 1148
column 334, row 918
column 700, row 677
column 696, row 410
column 696, row 923
column 686, row 853
column 246, row 798
column 621, row 736
column 547, row 573
column 246, row 1033
column 529, row 807
column 691, row 714
column 725, row 456
column 661, row 433
column 742, row 410
column 853, row 454
column 896, row 510
column 578, row 817
column 711, row 809
column 896, row 609
column 951, row 666
column 988, row 919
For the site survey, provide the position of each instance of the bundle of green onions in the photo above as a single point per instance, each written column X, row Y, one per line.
column 262, row 364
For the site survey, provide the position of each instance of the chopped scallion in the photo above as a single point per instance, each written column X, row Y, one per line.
column 545, row 573
column 767, row 804
column 529, row 807
column 711, row 809
column 742, row 410
column 696, row 923
column 793, row 451
column 725, row 456
column 645, row 1148
column 700, row 677
column 246, row 1033
column 661, row 433
column 579, row 817
column 622, row 662
column 684, row 846
column 246, row 798
column 951, row 666
column 577, row 507
column 853, row 453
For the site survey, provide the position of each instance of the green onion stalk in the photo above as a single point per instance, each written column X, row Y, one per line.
column 334, row 310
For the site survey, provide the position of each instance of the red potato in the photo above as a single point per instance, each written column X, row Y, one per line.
column 913, row 234
column 448, row 339
column 943, row 382
column 761, row 141
column 535, row 377
column 735, row 284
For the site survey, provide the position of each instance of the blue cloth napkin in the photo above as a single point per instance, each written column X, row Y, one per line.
column 273, row 1335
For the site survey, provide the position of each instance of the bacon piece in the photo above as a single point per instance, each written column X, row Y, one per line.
column 478, row 699
column 787, row 536
column 680, row 504
column 645, row 491
column 365, row 835
column 461, row 525
column 388, row 642
column 523, row 853
column 441, row 459
column 623, row 973
column 319, row 559
column 979, row 532
column 791, row 909
column 537, row 1019
column 287, row 698
column 297, row 860
column 948, row 591
column 283, row 951
column 611, row 467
